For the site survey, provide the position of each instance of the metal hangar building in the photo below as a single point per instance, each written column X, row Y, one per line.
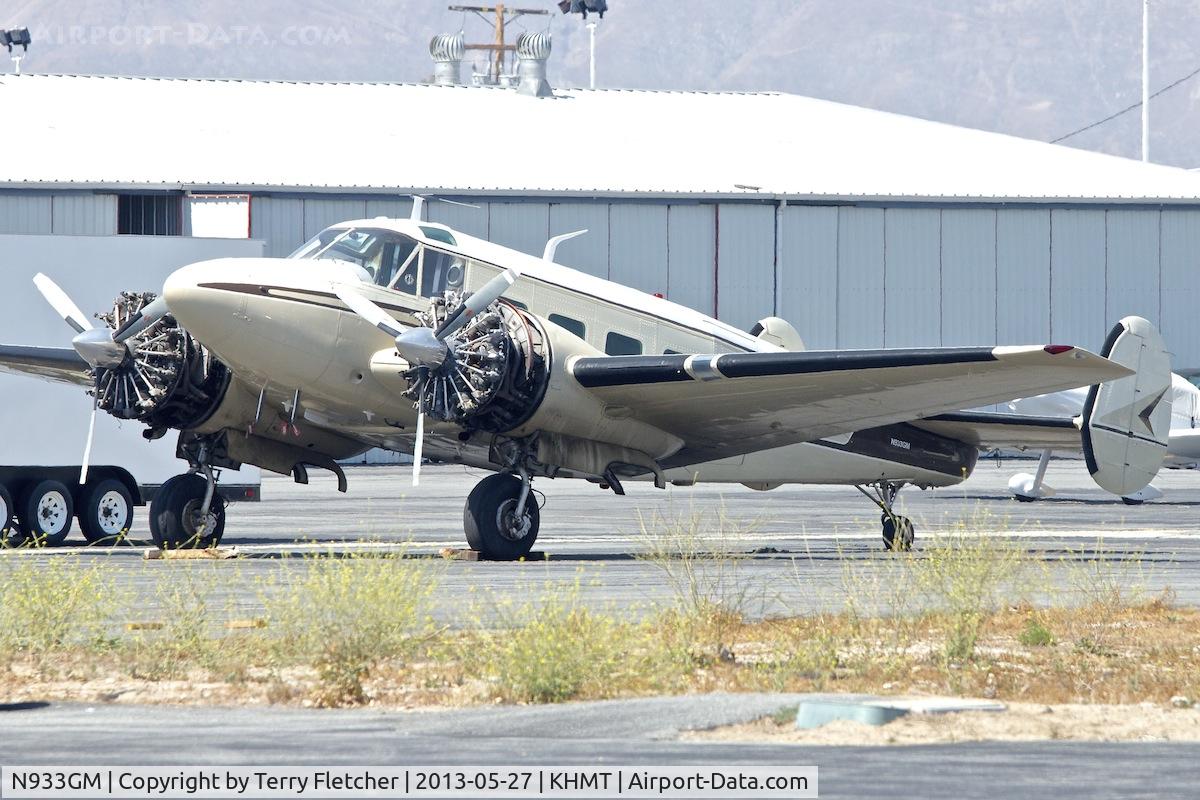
column 862, row 228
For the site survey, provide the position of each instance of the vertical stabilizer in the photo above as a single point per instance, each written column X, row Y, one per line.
column 1127, row 421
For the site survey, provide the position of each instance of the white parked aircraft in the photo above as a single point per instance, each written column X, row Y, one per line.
column 414, row 337
column 1183, row 441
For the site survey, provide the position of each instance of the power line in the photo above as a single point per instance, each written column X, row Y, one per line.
column 1127, row 109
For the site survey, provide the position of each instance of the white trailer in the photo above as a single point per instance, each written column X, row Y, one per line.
column 44, row 426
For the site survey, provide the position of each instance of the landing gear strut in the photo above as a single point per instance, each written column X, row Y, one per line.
column 501, row 519
column 187, row 512
column 898, row 531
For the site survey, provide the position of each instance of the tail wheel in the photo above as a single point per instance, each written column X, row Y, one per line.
column 106, row 512
column 491, row 523
column 10, row 535
column 45, row 513
column 175, row 519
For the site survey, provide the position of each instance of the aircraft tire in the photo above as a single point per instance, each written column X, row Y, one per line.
column 45, row 511
column 898, row 533
column 488, row 523
column 106, row 512
column 174, row 515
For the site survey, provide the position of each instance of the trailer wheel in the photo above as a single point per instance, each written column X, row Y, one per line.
column 10, row 535
column 45, row 513
column 105, row 512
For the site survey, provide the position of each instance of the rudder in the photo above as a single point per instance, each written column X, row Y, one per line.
column 1127, row 421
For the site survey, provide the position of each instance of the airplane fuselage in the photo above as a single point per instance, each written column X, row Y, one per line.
column 289, row 341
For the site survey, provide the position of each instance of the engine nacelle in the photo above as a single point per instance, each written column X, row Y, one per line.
column 167, row 379
column 508, row 373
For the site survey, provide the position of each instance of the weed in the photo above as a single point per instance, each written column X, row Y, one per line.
column 1035, row 634
column 702, row 561
column 342, row 615
column 52, row 604
column 965, row 574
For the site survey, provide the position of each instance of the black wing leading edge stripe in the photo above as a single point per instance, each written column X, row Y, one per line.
column 631, row 370
column 990, row 418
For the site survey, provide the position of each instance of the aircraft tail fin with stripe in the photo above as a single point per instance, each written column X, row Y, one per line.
column 1126, row 421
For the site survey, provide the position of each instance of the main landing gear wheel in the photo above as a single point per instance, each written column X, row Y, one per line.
column 898, row 533
column 501, row 518
column 176, row 521
column 106, row 514
column 45, row 514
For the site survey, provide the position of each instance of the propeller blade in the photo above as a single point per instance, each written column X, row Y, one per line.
column 367, row 310
column 420, row 428
column 151, row 313
column 489, row 293
column 61, row 303
column 87, row 448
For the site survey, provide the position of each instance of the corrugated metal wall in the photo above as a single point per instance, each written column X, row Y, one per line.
column 845, row 276
column 857, row 276
column 67, row 214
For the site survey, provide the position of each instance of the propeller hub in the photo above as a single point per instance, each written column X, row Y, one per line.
column 98, row 349
column 422, row 346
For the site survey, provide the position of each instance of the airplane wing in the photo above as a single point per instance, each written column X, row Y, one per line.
column 989, row 431
column 735, row 403
column 59, row 364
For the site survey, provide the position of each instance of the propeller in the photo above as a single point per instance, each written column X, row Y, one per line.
column 99, row 347
column 425, row 348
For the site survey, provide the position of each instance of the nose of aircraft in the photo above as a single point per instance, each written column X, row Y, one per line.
column 204, row 298
column 266, row 316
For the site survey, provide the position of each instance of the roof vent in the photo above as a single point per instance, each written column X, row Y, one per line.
column 447, row 50
column 533, row 50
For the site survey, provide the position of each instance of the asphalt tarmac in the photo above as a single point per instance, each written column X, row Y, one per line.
column 616, row 733
column 797, row 543
column 801, row 548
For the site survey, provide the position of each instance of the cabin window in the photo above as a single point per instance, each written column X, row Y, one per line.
column 566, row 323
column 617, row 344
column 439, row 235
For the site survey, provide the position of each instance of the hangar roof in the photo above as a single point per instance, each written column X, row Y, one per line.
column 110, row 132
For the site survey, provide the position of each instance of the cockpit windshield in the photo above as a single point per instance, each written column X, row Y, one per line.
column 382, row 253
column 391, row 259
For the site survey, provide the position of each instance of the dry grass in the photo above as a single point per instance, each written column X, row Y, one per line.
column 357, row 630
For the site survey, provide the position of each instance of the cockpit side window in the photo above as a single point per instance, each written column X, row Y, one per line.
column 395, row 257
column 441, row 271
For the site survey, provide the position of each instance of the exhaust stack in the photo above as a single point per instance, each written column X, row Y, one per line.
column 447, row 50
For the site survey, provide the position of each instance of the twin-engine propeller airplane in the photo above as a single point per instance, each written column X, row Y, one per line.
column 414, row 337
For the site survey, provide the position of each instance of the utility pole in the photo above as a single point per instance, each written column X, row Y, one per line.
column 1145, row 80
column 592, row 68
column 502, row 15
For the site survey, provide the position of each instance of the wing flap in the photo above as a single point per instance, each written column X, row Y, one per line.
column 734, row 403
column 59, row 364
